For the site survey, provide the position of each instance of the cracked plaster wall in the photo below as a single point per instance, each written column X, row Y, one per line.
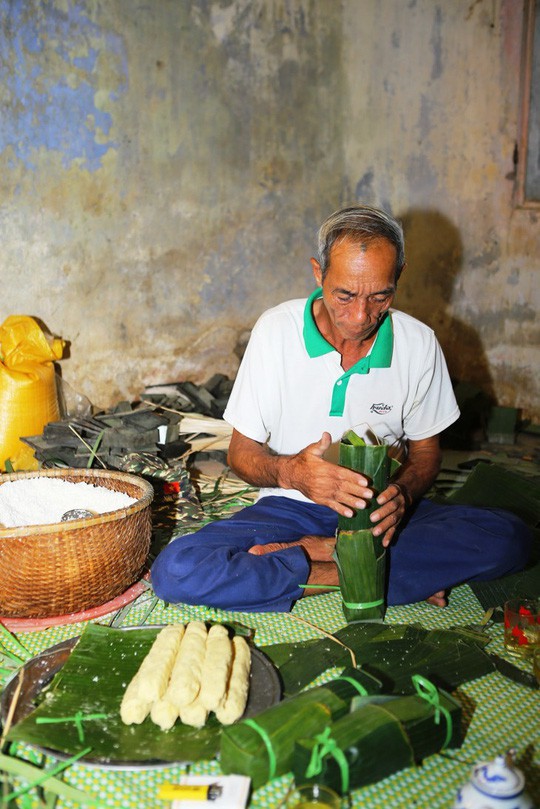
column 164, row 170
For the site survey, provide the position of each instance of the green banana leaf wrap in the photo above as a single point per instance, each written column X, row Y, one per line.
column 262, row 748
column 380, row 736
column 360, row 557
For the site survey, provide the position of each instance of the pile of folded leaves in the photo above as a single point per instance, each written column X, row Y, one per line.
column 106, row 438
column 149, row 427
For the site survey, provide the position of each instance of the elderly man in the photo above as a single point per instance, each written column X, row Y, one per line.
column 312, row 370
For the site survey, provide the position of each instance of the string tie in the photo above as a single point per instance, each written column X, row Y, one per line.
column 363, row 605
column 358, row 686
column 325, row 745
column 77, row 719
column 428, row 692
column 267, row 743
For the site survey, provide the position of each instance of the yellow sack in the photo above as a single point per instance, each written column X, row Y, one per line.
column 28, row 397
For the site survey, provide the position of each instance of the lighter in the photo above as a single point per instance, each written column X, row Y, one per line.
column 190, row 792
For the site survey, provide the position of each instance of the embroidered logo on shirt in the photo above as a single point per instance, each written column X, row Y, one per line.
column 380, row 408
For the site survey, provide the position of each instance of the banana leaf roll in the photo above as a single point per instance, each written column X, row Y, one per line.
column 262, row 748
column 380, row 736
column 431, row 718
column 362, row 575
column 360, row 557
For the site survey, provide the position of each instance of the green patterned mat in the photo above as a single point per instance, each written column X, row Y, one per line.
column 498, row 713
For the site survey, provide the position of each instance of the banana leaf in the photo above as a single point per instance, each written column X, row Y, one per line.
column 372, row 743
column 380, row 736
column 490, row 485
column 263, row 748
column 360, row 557
column 431, row 725
column 92, row 682
column 299, row 662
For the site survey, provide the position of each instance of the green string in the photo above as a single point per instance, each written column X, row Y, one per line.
column 427, row 691
column 267, row 743
column 359, row 687
column 326, row 745
column 320, row 586
column 77, row 719
column 364, row 605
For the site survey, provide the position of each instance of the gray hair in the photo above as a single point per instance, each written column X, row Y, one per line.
column 361, row 224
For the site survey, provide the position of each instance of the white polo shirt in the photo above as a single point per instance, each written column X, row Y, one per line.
column 291, row 388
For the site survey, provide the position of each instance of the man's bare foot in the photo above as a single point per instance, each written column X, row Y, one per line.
column 317, row 549
column 438, row 599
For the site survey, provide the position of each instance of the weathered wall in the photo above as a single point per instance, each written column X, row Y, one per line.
column 164, row 166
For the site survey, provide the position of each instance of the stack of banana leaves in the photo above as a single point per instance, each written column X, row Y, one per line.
column 360, row 557
column 392, row 653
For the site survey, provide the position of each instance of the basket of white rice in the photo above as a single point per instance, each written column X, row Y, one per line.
column 54, row 558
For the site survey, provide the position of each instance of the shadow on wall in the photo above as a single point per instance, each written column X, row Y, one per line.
column 434, row 255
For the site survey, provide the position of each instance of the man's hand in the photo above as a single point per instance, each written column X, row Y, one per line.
column 327, row 484
column 337, row 487
column 394, row 502
column 414, row 478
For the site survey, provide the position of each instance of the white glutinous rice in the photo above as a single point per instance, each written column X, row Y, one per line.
column 42, row 501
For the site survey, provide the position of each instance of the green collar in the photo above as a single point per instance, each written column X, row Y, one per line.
column 316, row 346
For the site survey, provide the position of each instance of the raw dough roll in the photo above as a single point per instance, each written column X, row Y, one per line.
column 185, row 681
column 234, row 703
column 151, row 680
column 216, row 667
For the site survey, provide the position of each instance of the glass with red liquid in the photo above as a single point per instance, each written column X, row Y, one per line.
column 522, row 627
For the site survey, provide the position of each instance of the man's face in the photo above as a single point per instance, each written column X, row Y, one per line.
column 358, row 287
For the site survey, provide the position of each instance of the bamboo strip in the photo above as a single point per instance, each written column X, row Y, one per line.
column 328, row 635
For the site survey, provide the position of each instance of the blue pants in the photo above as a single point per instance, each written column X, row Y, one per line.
column 438, row 546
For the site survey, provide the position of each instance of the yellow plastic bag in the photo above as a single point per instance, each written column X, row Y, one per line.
column 28, row 397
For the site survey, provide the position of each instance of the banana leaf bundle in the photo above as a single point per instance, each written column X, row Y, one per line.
column 360, row 557
column 262, row 748
column 380, row 736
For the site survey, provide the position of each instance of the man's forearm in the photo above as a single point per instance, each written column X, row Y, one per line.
column 419, row 471
column 253, row 462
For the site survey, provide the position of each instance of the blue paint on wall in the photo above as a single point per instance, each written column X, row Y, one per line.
column 49, row 78
column 364, row 190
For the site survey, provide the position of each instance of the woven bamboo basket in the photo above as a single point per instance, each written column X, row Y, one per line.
column 62, row 568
